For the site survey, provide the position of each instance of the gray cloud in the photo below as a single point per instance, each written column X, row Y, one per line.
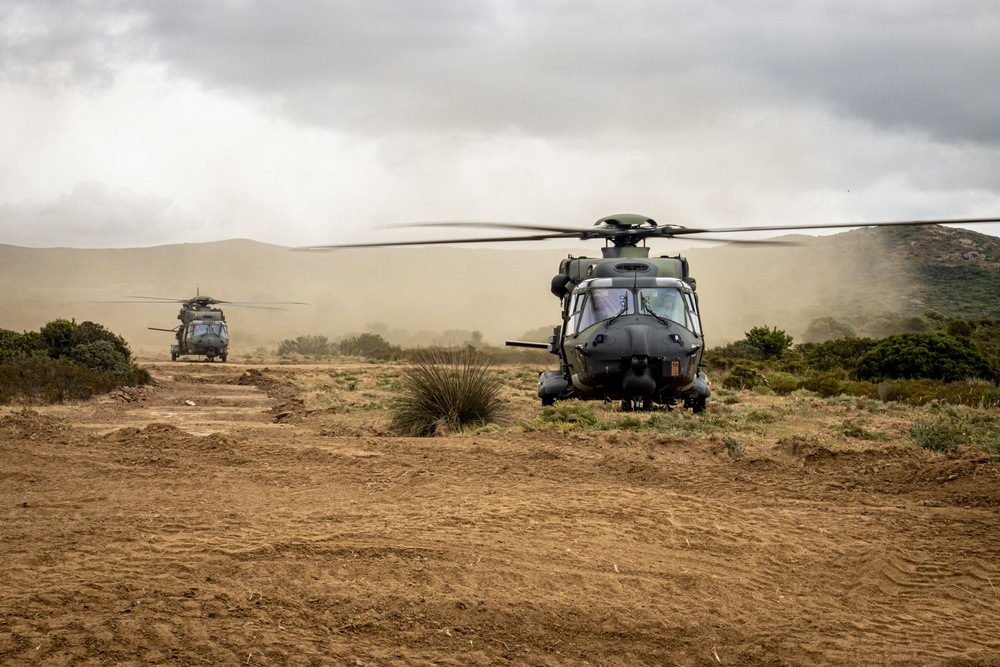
column 309, row 121
column 97, row 216
column 569, row 68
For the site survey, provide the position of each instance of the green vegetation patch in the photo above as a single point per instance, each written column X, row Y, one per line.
column 954, row 426
column 64, row 361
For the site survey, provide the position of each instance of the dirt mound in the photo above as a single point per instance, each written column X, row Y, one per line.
column 32, row 425
column 263, row 380
column 166, row 445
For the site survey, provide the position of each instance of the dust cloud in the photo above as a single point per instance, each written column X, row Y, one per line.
column 845, row 276
column 416, row 295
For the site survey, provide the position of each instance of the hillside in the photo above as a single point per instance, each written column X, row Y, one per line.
column 954, row 271
column 413, row 295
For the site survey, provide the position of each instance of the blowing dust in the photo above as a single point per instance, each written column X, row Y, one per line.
column 418, row 296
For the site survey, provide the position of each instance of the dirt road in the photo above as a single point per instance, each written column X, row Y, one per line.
column 236, row 515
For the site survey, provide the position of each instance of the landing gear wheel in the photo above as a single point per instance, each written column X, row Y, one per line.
column 173, row 357
column 637, row 404
column 223, row 357
column 548, row 400
column 697, row 405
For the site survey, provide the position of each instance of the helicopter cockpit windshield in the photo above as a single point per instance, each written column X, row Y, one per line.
column 198, row 329
column 665, row 300
column 603, row 303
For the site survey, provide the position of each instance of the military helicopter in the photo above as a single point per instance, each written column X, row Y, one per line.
column 203, row 330
column 631, row 326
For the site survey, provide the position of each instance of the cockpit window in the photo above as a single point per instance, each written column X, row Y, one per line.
column 202, row 328
column 598, row 304
column 665, row 302
column 604, row 303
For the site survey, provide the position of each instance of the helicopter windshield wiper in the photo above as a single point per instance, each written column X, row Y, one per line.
column 649, row 311
column 624, row 300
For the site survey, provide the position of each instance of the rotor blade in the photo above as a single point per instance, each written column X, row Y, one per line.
column 158, row 298
column 160, row 303
column 767, row 242
column 264, row 304
column 495, row 239
column 469, row 224
column 838, row 225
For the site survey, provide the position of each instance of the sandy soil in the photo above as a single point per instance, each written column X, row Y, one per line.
column 264, row 516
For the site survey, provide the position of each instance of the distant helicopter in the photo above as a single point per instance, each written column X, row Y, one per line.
column 203, row 330
column 631, row 327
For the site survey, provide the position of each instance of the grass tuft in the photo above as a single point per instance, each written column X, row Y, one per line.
column 446, row 390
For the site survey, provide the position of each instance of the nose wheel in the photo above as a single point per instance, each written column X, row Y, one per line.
column 637, row 404
column 696, row 404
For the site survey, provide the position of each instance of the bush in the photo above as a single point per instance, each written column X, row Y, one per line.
column 101, row 356
column 14, row 345
column 771, row 342
column 319, row 346
column 824, row 384
column 90, row 332
column 39, row 378
column 725, row 357
column 841, row 354
column 64, row 361
column 782, row 383
column 919, row 355
column 370, row 346
column 744, row 377
column 446, row 390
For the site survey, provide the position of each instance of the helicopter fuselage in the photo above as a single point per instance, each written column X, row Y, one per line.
column 630, row 331
column 203, row 332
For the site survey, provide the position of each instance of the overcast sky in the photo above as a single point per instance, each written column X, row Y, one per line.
column 308, row 122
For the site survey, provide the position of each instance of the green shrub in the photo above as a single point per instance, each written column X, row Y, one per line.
column 771, row 342
column 64, row 361
column 840, row 354
column 41, row 379
column 319, row 346
column 446, row 390
column 101, row 356
column 370, row 346
column 743, row 377
column 57, row 336
column 86, row 333
column 919, row 355
column 824, row 384
column 14, row 345
column 782, row 383
column 725, row 357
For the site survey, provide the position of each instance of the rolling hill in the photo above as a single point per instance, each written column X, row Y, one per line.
column 412, row 295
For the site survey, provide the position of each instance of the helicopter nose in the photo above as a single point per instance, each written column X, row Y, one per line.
column 638, row 379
